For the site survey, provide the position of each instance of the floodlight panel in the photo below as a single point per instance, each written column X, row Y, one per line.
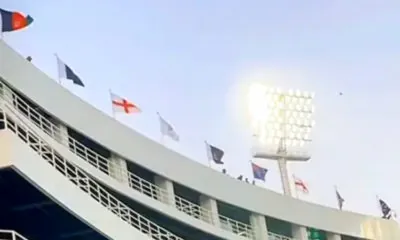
column 281, row 116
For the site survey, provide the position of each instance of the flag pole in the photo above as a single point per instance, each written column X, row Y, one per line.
column 208, row 153
column 161, row 132
column 58, row 68
column 378, row 204
column 337, row 199
column 295, row 187
column 112, row 108
column 336, row 191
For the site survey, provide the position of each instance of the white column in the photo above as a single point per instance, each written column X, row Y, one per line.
column 259, row 226
column 283, row 169
column 333, row 236
column 118, row 168
column 211, row 205
column 168, row 196
column 299, row 232
column 61, row 134
column 8, row 95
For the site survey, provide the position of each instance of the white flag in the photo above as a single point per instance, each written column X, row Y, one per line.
column 167, row 130
column 120, row 104
column 300, row 185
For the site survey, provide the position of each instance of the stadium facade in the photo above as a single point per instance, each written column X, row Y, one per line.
column 69, row 171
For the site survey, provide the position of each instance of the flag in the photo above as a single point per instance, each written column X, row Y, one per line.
column 259, row 172
column 65, row 72
column 300, row 185
column 120, row 104
column 29, row 58
column 339, row 199
column 214, row 154
column 12, row 21
column 387, row 212
column 167, row 130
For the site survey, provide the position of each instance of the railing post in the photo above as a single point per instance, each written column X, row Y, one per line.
column 118, row 168
column 61, row 134
column 299, row 232
column 259, row 226
column 167, row 185
column 211, row 205
column 13, row 235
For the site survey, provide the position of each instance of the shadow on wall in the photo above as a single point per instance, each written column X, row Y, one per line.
column 372, row 229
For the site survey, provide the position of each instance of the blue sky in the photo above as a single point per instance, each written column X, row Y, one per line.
column 192, row 61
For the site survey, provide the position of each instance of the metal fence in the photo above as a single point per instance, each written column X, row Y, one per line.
column 81, row 179
column 10, row 235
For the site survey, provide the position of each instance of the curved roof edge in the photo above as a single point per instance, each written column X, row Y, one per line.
column 58, row 101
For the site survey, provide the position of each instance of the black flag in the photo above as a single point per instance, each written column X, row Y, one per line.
column 214, row 154
column 387, row 212
column 339, row 199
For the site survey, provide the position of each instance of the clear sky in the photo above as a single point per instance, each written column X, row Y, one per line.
column 191, row 61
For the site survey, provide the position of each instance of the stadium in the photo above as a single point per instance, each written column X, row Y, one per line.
column 63, row 175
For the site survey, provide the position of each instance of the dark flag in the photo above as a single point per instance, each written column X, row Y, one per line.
column 12, row 21
column 259, row 172
column 65, row 72
column 214, row 154
column 339, row 199
column 387, row 212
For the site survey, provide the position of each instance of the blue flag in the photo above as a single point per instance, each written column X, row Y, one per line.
column 12, row 21
column 259, row 172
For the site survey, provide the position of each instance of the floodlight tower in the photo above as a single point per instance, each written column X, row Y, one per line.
column 282, row 123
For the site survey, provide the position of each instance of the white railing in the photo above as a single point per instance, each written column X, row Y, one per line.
column 237, row 227
column 82, row 180
column 193, row 210
column 274, row 236
column 10, row 235
column 103, row 165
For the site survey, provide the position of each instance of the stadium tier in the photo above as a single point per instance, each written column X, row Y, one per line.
column 69, row 171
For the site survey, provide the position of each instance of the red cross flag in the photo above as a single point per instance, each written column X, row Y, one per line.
column 300, row 185
column 120, row 104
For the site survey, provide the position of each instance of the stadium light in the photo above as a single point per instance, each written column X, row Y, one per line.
column 282, row 124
